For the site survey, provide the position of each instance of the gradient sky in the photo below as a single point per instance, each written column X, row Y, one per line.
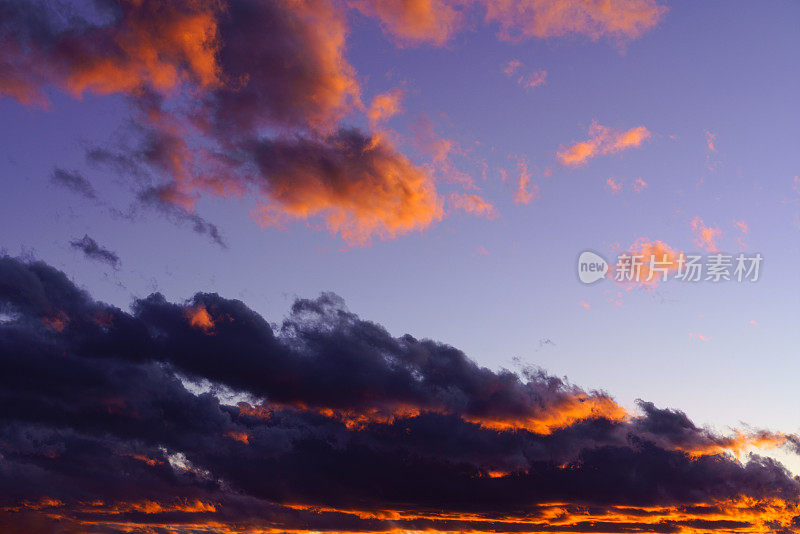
column 715, row 84
column 495, row 288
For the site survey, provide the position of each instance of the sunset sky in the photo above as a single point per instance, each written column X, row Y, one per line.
column 212, row 202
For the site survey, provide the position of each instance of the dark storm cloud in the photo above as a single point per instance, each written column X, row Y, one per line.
column 92, row 250
column 97, row 406
column 74, row 181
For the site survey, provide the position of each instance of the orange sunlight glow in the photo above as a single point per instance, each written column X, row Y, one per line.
column 239, row 436
column 557, row 415
column 739, row 443
column 199, row 317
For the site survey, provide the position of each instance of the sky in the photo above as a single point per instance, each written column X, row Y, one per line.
column 431, row 168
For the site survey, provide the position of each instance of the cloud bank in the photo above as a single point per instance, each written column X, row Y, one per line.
column 200, row 416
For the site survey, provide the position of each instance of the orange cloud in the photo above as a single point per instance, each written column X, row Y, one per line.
column 736, row 514
column 639, row 185
column 657, row 259
column 551, row 415
column 560, row 414
column 602, row 140
column 199, row 317
column 617, row 19
column 473, row 204
column 528, row 81
column 741, row 225
column 361, row 186
column 154, row 507
column 385, row 106
column 152, row 462
column 239, row 436
column 161, row 51
column 739, row 514
column 705, row 236
column 740, row 441
column 526, row 190
column 160, row 46
column 415, row 22
column 701, row 337
column 435, row 22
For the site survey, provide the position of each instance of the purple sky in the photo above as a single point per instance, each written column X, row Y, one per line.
column 705, row 74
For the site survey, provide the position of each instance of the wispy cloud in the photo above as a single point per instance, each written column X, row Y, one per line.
column 744, row 229
column 528, row 81
column 526, row 191
column 74, row 181
column 416, row 22
column 616, row 19
column 705, row 236
column 92, row 250
column 437, row 22
column 473, row 204
column 602, row 140
column 386, row 105
column 511, row 67
column 615, row 186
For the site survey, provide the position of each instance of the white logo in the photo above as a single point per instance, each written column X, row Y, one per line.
column 591, row 267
